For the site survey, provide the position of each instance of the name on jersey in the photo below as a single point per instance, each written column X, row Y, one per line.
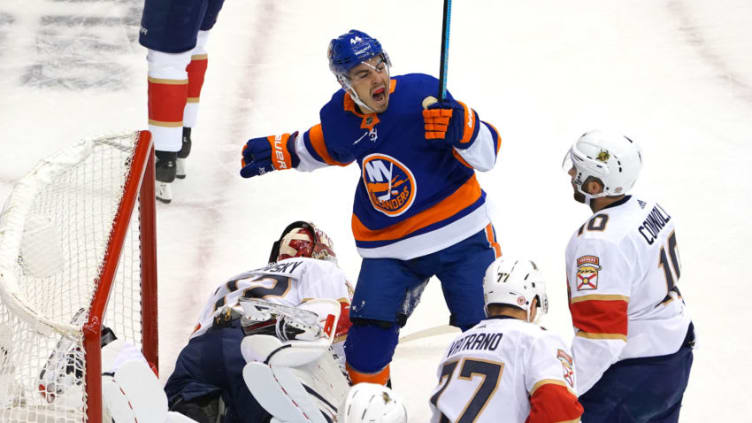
column 286, row 267
column 476, row 341
column 653, row 224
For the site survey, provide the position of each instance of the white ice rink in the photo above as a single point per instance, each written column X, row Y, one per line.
column 675, row 75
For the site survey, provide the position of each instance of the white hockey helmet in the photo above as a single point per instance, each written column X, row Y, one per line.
column 613, row 159
column 372, row 403
column 514, row 282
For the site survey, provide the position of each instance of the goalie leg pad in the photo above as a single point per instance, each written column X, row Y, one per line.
column 270, row 350
column 259, row 347
column 133, row 393
column 280, row 392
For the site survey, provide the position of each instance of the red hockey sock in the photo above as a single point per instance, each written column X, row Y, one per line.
column 167, row 99
column 196, row 71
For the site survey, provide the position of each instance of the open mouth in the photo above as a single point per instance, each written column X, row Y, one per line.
column 379, row 94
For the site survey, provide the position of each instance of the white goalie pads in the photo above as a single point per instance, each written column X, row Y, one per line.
column 310, row 393
column 295, row 380
column 131, row 391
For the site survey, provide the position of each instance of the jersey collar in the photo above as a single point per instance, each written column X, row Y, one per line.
column 618, row 203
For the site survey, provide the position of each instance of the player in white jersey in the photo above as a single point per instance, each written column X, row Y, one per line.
column 302, row 268
column 507, row 368
column 634, row 336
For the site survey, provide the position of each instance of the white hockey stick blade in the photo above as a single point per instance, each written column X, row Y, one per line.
column 133, row 394
column 426, row 333
column 281, row 394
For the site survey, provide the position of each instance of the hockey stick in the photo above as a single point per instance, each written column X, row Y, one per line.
column 444, row 61
column 444, row 49
column 426, row 333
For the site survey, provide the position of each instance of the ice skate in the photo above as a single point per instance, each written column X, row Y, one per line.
column 185, row 150
column 165, row 171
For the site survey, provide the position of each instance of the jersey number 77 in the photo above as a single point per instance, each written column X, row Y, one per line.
column 489, row 371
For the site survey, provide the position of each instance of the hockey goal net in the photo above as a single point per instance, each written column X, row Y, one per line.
column 77, row 254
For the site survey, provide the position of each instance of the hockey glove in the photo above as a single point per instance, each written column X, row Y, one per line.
column 451, row 121
column 265, row 154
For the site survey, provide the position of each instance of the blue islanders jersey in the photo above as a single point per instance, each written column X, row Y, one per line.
column 415, row 196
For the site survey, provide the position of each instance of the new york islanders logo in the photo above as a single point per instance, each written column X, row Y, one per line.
column 587, row 273
column 390, row 184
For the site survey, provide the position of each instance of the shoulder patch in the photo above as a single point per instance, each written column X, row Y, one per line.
column 567, row 365
column 587, row 272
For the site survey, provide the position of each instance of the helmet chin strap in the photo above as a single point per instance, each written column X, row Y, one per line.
column 345, row 82
column 589, row 197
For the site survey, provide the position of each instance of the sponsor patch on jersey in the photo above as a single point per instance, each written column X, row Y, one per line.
column 567, row 365
column 390, row 184
column 587, row 273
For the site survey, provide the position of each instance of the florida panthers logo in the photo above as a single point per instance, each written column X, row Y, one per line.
column 390, row 184
column 587, row 273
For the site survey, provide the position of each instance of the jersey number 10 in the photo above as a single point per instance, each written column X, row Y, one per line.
column 668, row 266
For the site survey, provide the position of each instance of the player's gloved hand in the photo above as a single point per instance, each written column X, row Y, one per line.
column 262, row 155
column 451, row 121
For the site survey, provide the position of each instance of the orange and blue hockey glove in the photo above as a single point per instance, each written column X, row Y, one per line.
column 451, row 121
column 265, row 154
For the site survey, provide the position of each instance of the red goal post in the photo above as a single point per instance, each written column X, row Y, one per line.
column 77, row 253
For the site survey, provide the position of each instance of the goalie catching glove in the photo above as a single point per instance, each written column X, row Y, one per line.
column 289, row 336
column 451, row 121
column 265, row 154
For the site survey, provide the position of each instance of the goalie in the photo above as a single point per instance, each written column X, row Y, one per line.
column 280, row 328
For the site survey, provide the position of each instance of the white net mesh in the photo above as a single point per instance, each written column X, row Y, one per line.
column 54, row 232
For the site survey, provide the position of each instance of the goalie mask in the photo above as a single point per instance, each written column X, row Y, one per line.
column 372, row 403
column 613, row 160
column 302, row 239
column 515, row 283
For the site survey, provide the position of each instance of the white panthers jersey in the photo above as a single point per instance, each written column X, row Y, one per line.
column 622, row 271
column 288, row 282
column 506, row 370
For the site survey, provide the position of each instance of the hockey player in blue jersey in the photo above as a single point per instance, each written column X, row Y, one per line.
column 418, row 211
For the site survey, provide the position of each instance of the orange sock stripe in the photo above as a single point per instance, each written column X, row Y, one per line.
column 381, row 377
column 167, row 102
column 492, row 240
column 196, row 72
